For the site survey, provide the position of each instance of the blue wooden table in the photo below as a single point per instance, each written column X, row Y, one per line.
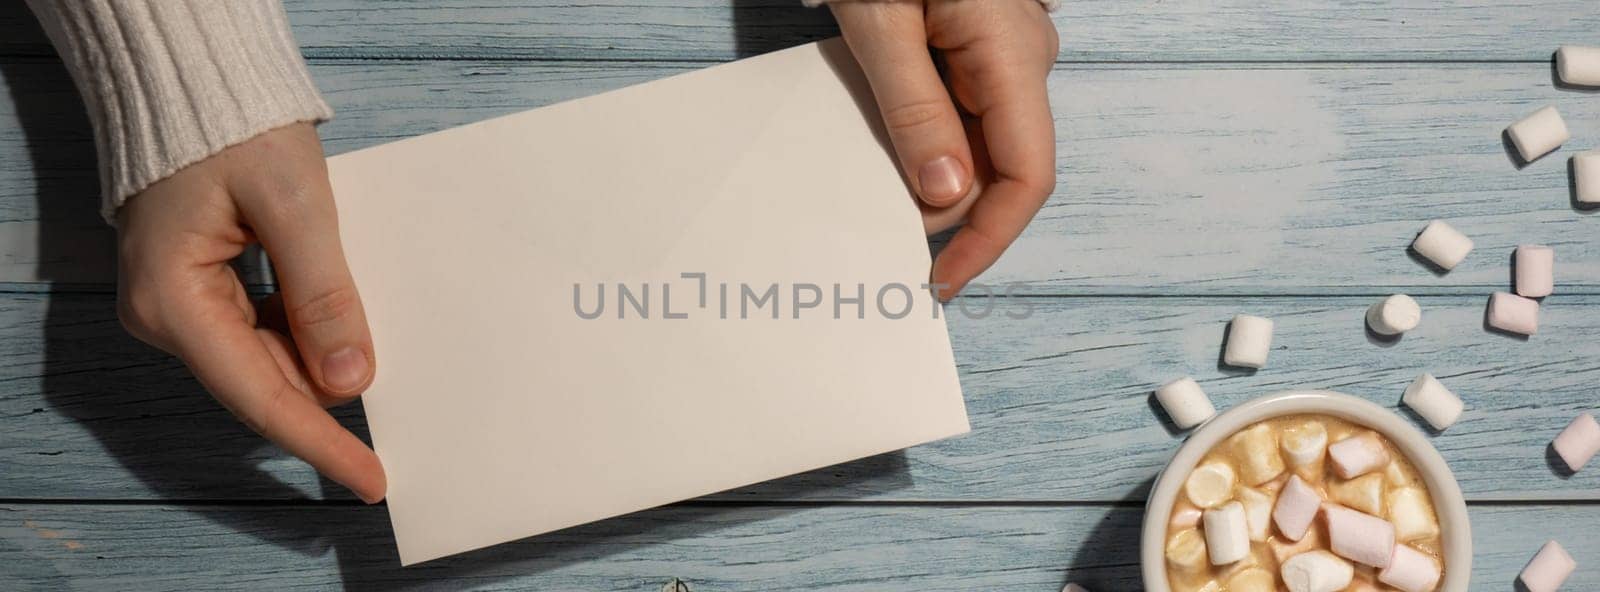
column 1215, row 157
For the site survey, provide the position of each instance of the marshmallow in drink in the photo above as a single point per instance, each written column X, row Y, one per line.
column 1188, row 517
column 1355, row 456
column 1185, row 403
column 1410, row 570
column 1394, row 315
column 1578, row 65
column 1433, row 402
column 1586, row 174
column 1186, row 551
column 1257, row 449
column 1317, row 571
column 1249, row 339
column 1538, row 134
column 1257, row 512
column 1363, row 493
column 1253, row 579
column 1283, row 549
column 1512, row 313
column 1578, row 442
column 1296, row 508
column 1227, row 533
column 1536, row 266
column 1549, row 569
column 1362, row 538
column 1442, row 244
column 1305, row 445
column 1411, row 513
column 1209, row 485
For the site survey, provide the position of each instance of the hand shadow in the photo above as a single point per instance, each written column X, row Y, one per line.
column 761, row 26
column 1109, row 558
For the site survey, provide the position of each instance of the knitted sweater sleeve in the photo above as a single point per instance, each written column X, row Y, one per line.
column 168, row 83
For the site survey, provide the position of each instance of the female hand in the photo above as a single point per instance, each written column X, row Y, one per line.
column 177, row 291
column 995, row 169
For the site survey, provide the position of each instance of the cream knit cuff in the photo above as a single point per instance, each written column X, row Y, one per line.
column 168, row 83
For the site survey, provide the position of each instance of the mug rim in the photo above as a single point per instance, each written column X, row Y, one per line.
column 1448, row 501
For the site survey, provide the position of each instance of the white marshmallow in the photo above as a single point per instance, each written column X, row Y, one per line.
column 1394, row 315
column 1257, row 512
column 1363, row 493
column 1317, row 571
column 1354, row 456
column 1305, row 445
column 1071, row 587
column 1397, row 475
column 1538, row 134
column 1431, row 400
column 1186, row 551
column 1549, row 569
column 1227, row 533
column 1254, row 579
column 1536, row 266
column 1296, row 508
column 1442, row 244
column 1249, row 340
column 1411, row 513
column 1362, row 538
column 1410, row 570
column 1283, row 549
column 1578, row 442
column 1185, row 403
column 1256, row 447
column 1513, row 313
column 1188, row 517
column 1209, row 485
column 1586, row 173
column 1578, row 65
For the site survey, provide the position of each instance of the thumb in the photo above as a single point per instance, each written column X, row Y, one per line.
column 890, row 41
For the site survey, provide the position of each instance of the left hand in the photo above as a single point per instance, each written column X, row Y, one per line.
column 995, row 169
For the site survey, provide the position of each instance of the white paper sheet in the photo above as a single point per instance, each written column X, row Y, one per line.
column 500, row 412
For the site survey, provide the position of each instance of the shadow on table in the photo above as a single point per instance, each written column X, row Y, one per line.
column 1108, row 559
column 761, row 26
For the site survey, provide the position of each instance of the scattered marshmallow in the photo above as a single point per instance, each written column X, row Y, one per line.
column 1411, row 513
column 1362, row 538
column 1513, row 313
column 1363, row 493
column 1431, row 400
column 1188, row 517
column 1536, row 266
column 1306, row 445
column 1257, row 512
column 1410, row 570
column 1185, row 403
column 1254, row 579
column 1394, row 315
column 1209, row 485
column 1586, row 173
column 1257, row 451
column 1227, row 533
column 1538, row 134
column 1296, row 508
column 1354, row 456
column 1317, row 571
column 1249, row 339
column 1071, row 587
column 1186, row 550
column 1549, row 569
column 1578, row 65
column 1579, row 442
column 1442, row 244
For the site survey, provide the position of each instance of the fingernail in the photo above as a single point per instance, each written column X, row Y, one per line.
column 942, row 179
column 345, row 370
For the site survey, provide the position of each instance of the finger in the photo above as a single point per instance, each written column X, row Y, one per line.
column 234, row 363
column 939, row 219
column 284, row 353
column 1020, row 138
column 299, row 228
column 890, row 42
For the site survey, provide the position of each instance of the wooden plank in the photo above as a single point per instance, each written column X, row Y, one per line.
column 845, row 548
column 1187, row 180
column 1059, row 402
column 1096, row 30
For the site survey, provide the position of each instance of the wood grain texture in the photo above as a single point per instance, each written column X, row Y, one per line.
column 1060, row 402
column 775, row 548
column 1091, row 30
column 1190, row 180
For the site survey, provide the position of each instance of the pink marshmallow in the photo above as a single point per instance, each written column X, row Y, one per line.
column 1357, row 455
column 1579, row 442
column 1362, row 538
column 1297, row 507
column 1549, row 569
column 1535, row 270
column 1185, row 518
column 1513, row 313
column 1410, row 570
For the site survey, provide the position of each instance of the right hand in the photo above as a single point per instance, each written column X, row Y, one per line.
column 177, row 291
